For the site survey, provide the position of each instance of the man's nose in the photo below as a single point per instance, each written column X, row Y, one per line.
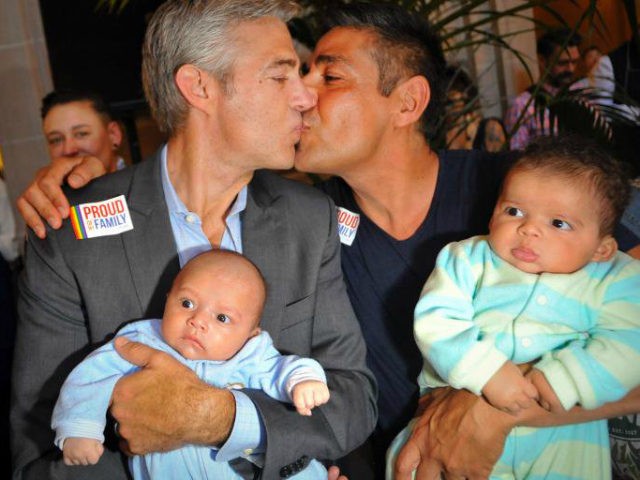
column 305, row 97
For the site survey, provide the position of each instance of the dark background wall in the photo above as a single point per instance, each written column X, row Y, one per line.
column 90, row 48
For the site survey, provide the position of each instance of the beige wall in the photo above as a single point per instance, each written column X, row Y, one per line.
column 24, row 79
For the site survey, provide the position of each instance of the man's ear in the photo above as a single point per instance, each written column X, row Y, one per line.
column 194, row 85
column 414, row 95
column 607, row 248
column 115, row 134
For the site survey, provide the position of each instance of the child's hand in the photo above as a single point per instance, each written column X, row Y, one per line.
column 309, row 394
column 548, row 398
column 509, row 390
column 81, row 451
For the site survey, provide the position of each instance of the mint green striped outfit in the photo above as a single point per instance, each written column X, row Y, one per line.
column 476, row 311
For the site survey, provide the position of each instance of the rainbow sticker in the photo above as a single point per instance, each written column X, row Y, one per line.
column 99, row 219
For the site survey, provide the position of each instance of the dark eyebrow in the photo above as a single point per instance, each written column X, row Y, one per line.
column 329, row 59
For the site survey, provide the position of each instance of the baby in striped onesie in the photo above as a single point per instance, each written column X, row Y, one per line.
column 547, row 286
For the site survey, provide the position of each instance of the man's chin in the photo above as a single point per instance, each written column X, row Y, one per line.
column 300, row 166
column 561, row 82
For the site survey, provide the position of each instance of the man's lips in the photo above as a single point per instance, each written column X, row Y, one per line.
column 524, row 254
column 304, row 127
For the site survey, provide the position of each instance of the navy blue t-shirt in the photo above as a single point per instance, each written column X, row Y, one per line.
column 385, row 276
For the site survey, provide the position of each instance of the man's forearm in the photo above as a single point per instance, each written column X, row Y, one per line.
column 538, row 417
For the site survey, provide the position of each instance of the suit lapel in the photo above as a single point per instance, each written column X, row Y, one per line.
column 264, row 238
column 150, row 248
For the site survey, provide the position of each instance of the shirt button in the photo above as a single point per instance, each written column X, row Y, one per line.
column 191, row 218
column 542, row 300
column 526, row 342
column 247, row 451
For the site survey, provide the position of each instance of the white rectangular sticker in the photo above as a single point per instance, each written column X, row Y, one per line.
column 347, row 225
column 98, row 219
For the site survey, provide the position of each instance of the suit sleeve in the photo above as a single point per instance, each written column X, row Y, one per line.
column 51, row 338
column 336, row 342
column 444, row 326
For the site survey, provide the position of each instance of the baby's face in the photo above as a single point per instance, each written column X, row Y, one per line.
column 543, row 223
column 211, row 312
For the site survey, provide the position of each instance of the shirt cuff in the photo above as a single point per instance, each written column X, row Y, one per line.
column 248, row 433
column 561, row 381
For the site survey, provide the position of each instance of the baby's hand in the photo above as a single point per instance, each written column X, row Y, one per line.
column 509, row 390
column 81, row 451
column 548, row 398
column 309, row 394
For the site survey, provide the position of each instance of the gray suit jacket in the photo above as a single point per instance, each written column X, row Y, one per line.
column 74, row 295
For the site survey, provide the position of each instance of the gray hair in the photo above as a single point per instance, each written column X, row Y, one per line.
column 196, row 32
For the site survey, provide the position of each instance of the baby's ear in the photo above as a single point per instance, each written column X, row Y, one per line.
column 607, row 249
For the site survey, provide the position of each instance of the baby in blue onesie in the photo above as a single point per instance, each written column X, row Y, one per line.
column 210, row 324
column 547, row 286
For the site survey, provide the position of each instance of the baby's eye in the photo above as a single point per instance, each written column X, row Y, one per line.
column 514, row 212
column 223, row 318
column 187, row 303
column 561, row 224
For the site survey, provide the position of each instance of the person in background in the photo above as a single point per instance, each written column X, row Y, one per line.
column 210, row 324
column 602, row 85
column 589, row 58
column 558, row 57
column 222, row 80
column 464, row 125
column 491, row 136
column 462, row 110
column 78, row 124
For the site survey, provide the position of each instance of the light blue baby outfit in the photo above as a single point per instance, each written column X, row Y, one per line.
column 84, row 399
column 477, row 311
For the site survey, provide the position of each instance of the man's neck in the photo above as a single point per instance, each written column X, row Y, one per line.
column 395, row 192
column 206, row 184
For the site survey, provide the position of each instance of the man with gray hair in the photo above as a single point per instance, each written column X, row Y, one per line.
column 222, row 80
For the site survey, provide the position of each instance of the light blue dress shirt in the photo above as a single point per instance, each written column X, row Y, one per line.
column 248, row 433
